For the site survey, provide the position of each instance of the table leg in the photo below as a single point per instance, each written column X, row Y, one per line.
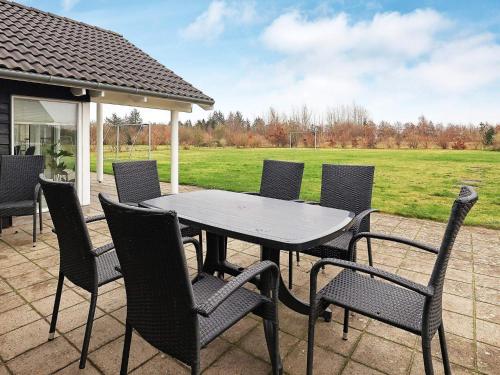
column 215, row 260
column 284, row 293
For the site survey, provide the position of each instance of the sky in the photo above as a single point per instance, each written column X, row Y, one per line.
column 398, row 59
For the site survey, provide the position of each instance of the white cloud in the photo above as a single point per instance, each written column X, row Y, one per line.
column 397, row 65
column 69, row 4
column 211, row 23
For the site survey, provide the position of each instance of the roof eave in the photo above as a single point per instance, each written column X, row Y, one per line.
column 70, row 82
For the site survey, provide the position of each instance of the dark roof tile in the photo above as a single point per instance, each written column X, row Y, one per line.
column 39, row 42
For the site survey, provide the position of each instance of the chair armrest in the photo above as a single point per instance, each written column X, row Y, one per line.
column 360, row 217
column 208, row 307
column 91, row 219
column 37, row 194
column 98, row 251
column 391, row 238
column 393, row 278
column 197, row 247
column 251, row 192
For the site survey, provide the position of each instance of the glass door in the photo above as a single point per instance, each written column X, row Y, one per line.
column 48, row 128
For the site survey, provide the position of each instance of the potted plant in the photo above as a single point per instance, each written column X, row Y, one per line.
column 56, row 164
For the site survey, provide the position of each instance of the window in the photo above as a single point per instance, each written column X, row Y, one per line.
column 48, row 128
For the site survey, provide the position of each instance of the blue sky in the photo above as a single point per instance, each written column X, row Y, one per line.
column 399, row 59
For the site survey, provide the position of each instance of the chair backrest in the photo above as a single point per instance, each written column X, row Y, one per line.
column 160, row 302
column 17, row 150
column 136, row 181
column 348, row 187
column 19, row 176
column 281, row 179
column 76, row 261
column 30, row 151
column 461, row 207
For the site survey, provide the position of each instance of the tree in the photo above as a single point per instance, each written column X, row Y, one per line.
column 134, row 117
column 487, row 134
column 114, row 120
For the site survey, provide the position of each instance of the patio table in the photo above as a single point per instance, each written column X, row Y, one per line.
column 272, row 223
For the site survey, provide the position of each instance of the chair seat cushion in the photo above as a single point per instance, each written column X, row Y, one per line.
column 377, row 299
column 336, row 248
column 19, row 208
column 105, row 265
column 235, row 307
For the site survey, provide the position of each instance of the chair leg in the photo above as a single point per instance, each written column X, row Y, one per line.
column 40, row 214
column 426, row 351
column 444, row 350
column 310, row 342
column 126, row 349
column 297, row 255
column 55, row 311
column 346, row 324
column 34, row 227
column 290, row 270
column 88, row 330
column 369, row 246
column 271, row 333
column 200, row 238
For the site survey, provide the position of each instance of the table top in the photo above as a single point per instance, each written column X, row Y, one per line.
column 274, row 223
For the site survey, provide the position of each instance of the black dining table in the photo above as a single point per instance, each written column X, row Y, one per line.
column 272, row 223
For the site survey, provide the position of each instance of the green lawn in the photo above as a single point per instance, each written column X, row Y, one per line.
column 412, row 183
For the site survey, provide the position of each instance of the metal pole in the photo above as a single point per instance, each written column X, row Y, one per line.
column 149, row 141
column 290, row 135
column 117, row 140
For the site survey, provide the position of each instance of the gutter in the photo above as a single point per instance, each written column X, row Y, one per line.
column 71, row 82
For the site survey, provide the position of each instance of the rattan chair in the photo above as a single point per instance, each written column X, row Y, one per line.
column 81, row 263
column 137, row 181
column 345, row 187
column 30, row 151
column 19, row 189
column 175, row 315
column 281, row 180
column 402, row 303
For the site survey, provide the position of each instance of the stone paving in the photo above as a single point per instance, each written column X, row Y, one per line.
column 471, row 311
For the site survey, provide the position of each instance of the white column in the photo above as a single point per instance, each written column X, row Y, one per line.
column 83, row 166
column 174, row 152
column 100, row 143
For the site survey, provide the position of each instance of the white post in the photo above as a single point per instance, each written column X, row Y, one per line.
column 174, row 152
column 100, row 143
column 83, row 166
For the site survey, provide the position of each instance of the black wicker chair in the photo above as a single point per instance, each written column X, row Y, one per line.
column 30, row 151
column 81, row 263
column 399, row 302
column 19, row 189
column 345, row 187
column 281, row 180
column 175, row 315
column 137, row 181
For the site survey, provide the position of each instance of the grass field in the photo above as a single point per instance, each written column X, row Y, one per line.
column 412, row 183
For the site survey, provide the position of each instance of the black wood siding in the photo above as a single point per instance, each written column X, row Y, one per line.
column 9, row 87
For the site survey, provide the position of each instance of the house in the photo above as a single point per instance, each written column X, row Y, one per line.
column 52, row 68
